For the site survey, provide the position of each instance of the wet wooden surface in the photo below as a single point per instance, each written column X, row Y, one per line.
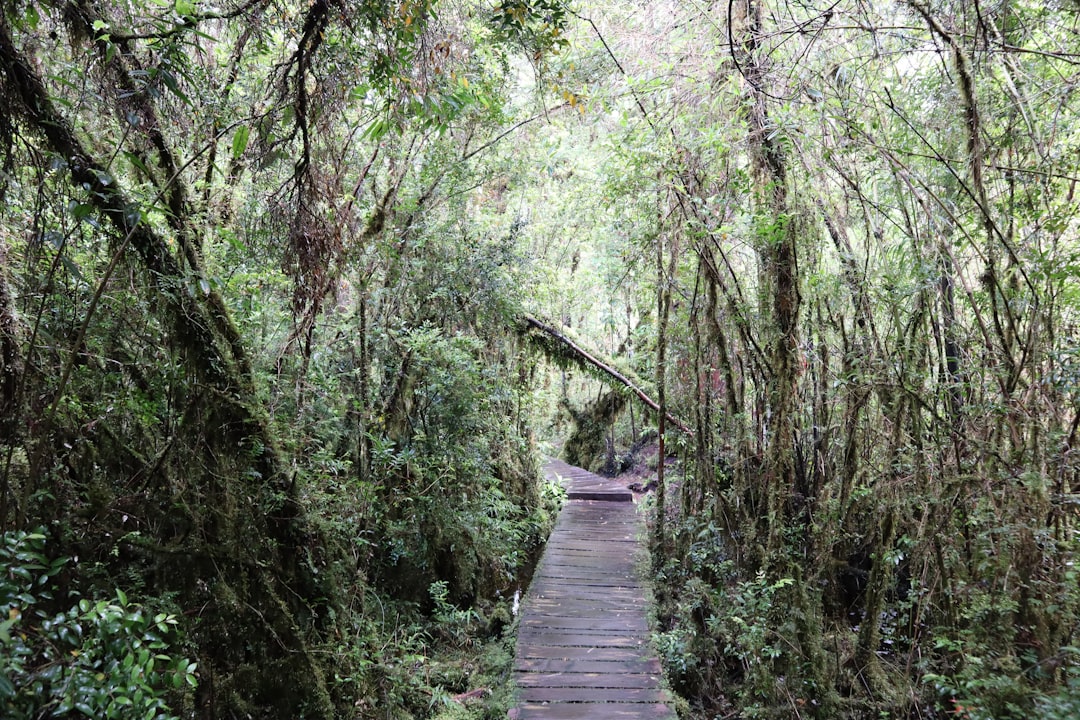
column 584, row 485
column 583, row 649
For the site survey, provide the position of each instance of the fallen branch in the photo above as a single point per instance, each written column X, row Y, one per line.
column 476, row 694
column 584, row 357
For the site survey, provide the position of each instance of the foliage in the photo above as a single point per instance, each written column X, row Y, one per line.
column 1063, row 704
column 746, row 624
column 537, row 24
column 251, row 367
column 868, row 332
column 262, row 271
column 455, row 663
column 100, row 659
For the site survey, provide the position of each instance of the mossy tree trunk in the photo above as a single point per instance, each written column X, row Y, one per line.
column 586, row 446
column 239, row 554
column 787, row 529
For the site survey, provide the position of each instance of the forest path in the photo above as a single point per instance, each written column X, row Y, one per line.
column 582, row 649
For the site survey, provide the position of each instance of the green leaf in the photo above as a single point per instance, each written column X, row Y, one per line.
column 53, row 238
column 80, row 210
column 170, row 82
column 377, row 129
column 240, row 141
column 5, row 630
column 72, row 268
column 136, row 160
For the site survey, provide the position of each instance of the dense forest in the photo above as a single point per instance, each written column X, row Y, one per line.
column 296, row 296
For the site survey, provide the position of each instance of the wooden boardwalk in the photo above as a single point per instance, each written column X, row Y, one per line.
column 583, row 648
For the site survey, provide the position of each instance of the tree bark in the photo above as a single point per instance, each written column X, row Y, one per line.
column 663, row 312
column 780, row 258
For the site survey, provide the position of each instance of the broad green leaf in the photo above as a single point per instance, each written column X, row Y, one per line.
column 377, row 130
column 240, row 141
column 72, row 268
column 170, row 82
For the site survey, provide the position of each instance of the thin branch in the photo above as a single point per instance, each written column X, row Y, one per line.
column 514, row 128
column 189, row 24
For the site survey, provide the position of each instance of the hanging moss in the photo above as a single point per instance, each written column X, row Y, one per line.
column 587, row 445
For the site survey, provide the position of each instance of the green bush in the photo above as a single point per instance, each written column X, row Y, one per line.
column 1062, row 706
column 99, row 659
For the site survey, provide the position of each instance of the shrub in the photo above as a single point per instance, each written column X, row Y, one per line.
column 99, row 658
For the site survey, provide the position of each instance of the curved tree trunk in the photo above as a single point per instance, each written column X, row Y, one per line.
column 241, row 563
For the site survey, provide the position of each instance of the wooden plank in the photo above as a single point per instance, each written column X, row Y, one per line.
column 567, row 594
column 566, row 589
column 610, row 550
column 592, row 553
column 586, row 561
column 598, row 609
column 550, row 652
column 594, row 695
column 579, row 493
column 582, row 647
column 578, row 596
column 623, row 680
column 601, row 624
column 590, row 711
column 597, row 577
column 564, row 609
column 577, row 638
column 627, row 533
column 619, row 586
column 648, row 666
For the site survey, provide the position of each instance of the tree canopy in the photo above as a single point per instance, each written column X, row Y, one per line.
column 294, row 297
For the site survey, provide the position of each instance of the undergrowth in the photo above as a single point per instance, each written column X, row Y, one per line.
column 449, row 663
column 731, row 640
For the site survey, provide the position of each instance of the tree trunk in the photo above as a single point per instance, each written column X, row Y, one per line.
column 663, row 311
column 778, row 250
column 250, row 530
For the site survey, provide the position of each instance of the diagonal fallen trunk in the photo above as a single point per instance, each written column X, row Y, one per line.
column 566, row 350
